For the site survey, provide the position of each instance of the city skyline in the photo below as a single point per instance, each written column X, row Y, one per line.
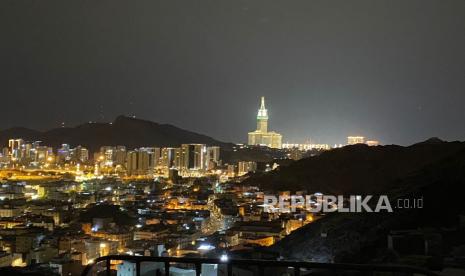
column 214, row 138
column 398, row 75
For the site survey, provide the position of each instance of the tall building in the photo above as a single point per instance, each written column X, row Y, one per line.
column 140, row 161
column 352, row 140
column 131, row 162
column 157, row 157
column 120, row 155
column 42, row 154
column 168, row 157
column 26, row 150
column 245, row 167
column 107, row 154
column 261, row 136
column 193, row 157
column 213, row 157
column 81, row 154
column 143, row 161
column 63, row 153
column 15, row 147
column 5, row 152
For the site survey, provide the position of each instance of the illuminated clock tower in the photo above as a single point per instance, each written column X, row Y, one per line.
column 261, row 136
column 262, row 118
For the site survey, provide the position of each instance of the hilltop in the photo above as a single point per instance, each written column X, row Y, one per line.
column 127, row 131
column 356, row 169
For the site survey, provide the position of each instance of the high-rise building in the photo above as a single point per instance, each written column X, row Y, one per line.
column 4, row 156
column 108, row 154
column 245, row 167
column 157, row 157
column 261, row 136
column 178, row 158
column 63, row 153
column 231, row 170
column 213, row 157
column 352, row 140
column 168, row 158
column 120, row 155
column 193, row 157
column 26, row 150
column 140, row 161
column 15, row 146
column 84, row 157
column 81, row 154
column 143, row 161
column 42, row 154
column 131, row 162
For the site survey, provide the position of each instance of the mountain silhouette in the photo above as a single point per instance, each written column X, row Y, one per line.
column 359, row 237
column 356, row 169
column 127, row 131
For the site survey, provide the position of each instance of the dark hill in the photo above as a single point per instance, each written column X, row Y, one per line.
column 356, row 169
column 18, row 132
column 361, row 237
column 124, row 130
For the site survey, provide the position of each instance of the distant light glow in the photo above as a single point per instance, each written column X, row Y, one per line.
column 206, row 247
column 224, row 258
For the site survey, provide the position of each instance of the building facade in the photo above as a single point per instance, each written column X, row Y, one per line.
column 261, row 136
column 353, row 140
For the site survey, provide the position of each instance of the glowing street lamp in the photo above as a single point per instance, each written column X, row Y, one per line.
column 224, row 258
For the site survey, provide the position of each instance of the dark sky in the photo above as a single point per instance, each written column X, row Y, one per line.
column 389, row 70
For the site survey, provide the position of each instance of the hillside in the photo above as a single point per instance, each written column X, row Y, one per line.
column 124, row 130
column 361, row 237
column 356, row 169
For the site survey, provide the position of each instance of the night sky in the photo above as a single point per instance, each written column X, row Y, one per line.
column 388, row 70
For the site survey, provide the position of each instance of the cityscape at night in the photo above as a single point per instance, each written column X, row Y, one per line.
column 232, row 138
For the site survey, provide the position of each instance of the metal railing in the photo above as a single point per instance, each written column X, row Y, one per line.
column 261, row 265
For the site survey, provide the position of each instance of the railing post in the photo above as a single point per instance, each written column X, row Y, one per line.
column 137, row 268
column 198, row 268
column 108, row 266
column 296, row 271
column 167, row 268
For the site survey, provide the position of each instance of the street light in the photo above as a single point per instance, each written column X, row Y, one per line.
column 224, row 258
